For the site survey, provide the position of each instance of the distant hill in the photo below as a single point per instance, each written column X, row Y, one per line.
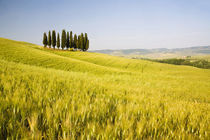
column 160, row 52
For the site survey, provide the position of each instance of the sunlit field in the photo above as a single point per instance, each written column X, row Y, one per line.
column 54, row 94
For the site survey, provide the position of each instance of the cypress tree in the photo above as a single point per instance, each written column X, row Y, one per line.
column 58, row 41
column 79, row 42
column 49, row 39
column 87, row 45
column 53, row 39
column 67, row 40
column 82, row 42
column 63, row 39
column 75, row 44
column 71, row 40
column 85, row 40
column 45, row 40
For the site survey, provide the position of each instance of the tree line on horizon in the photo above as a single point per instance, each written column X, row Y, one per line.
column 195, row 63
column 68, row 41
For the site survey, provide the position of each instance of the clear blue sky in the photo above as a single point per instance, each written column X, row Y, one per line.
column 111, row 24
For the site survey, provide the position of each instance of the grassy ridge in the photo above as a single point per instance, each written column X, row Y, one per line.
column 24, row 53
column 60, row 94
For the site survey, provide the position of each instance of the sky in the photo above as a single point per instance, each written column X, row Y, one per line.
column 110, row 24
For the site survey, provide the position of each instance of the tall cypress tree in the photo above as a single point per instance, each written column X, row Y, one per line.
column 71, row 40
column 67, row 40
column 44, row 39
column 82, row 42
column 58, row 41
column 85, row 41
column 53, row 39
column 87, row 45
column 63, row 39
column 75, row 44
column 49, row 39
column 79, row 42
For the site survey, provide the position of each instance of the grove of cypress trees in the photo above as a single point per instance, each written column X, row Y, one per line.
column 75, row 44
column 71, row 40
column 53, row 39
column 45, row 40
column 49, row 39
column 58, row 41
column 67, row 40
column 63, row 39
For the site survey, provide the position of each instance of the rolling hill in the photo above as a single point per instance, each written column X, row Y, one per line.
column 55, row 94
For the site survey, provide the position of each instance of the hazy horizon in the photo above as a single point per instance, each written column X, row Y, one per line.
column 120, row 24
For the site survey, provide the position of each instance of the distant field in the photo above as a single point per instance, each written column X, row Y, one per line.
column 52, row 94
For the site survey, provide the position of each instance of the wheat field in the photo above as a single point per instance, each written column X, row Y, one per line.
column 54, row 94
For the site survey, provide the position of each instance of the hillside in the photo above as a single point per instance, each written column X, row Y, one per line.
column 56, row 94
column 160, row 52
